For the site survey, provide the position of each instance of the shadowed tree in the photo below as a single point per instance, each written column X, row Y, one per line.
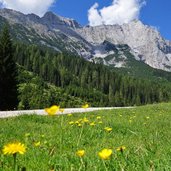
column 8, row 73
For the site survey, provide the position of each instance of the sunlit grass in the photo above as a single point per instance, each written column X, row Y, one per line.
column 139, row 139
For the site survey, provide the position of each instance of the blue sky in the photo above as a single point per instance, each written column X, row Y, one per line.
column 156, row 13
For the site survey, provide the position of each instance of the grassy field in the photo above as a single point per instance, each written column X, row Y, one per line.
column 52, row 141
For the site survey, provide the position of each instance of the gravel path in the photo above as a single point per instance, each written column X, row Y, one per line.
column 5, row 114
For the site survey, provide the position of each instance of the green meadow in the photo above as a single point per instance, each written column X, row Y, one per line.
column 52, row 141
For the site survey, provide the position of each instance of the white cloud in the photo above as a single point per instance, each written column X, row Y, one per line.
column 119, row 12
column 38, row 7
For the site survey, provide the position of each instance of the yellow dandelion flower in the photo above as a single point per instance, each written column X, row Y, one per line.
column 80, row 153
column 37, row 144
column 121, row 149
column 71, row 122
column 52, row 110
column 108, row 129
column 69, row 114
column 77, row 122
column 14, row 148
column 79, row 125
column 98, row 117
column 92, row 124
column 105, row 154
column 100, row 122
column 85, row 106
column 85, row 120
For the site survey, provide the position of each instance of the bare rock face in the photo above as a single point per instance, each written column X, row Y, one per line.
column 146, row 42
column 54, row 21
column 51, row 30
column 101, row 42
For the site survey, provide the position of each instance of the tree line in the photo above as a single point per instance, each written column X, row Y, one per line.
column 94, row 83
column 66, row 79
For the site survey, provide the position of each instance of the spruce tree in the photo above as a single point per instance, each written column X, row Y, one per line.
column 8, row 72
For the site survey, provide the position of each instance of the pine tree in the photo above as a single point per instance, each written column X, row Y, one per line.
column 8, row 73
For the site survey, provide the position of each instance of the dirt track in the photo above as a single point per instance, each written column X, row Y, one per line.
column 5, row 114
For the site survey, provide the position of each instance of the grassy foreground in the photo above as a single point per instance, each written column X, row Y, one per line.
column 52, row 141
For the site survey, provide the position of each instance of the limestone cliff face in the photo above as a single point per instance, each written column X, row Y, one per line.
column 143, row 42
column 146, row 42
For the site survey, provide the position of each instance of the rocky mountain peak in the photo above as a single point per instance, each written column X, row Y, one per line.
column 12, row 15
column 54, row 21
column 144, row 42
column 33, row 17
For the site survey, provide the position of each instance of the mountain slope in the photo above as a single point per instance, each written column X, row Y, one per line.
column 145, row 42
column 50, row 30
column 94, row 83
column 93, row 43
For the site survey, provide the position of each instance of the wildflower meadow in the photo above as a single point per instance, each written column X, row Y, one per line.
column 136, row 139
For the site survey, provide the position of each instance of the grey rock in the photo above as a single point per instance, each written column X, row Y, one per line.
column 146, row 42
column 105, row 43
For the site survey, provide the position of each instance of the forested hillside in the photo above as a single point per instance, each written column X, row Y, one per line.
column 90, row 82
column 34, row 93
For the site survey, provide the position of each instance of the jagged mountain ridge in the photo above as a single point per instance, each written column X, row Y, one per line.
column 106, row 43
column 50, row 30
column 145, row 42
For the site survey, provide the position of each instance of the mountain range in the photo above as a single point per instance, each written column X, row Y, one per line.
column 112, row 45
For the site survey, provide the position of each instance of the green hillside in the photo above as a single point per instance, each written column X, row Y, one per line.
column 34, row 93
column 75, row 80
column 93, row 83
column 133, row 67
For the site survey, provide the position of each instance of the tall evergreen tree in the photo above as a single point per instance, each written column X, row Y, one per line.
column 8, row 72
